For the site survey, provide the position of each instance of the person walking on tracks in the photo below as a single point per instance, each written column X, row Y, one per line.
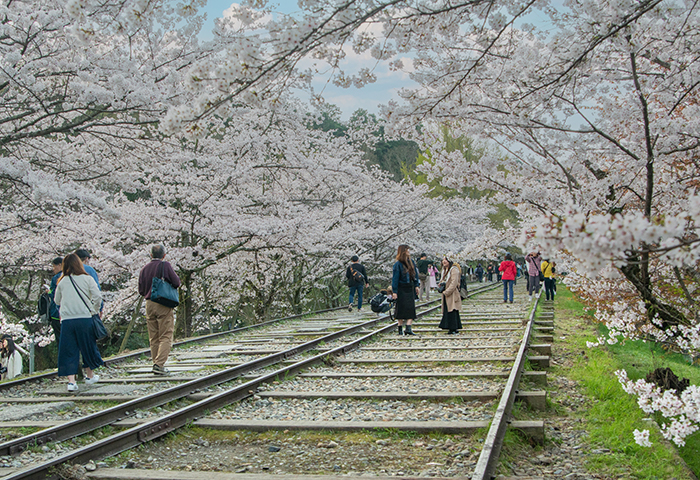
column 534, row 260
column 422, row 265
column 159, row 318
column 451, row 298
column 405, row 285
column 357, row 280
column 548, row 272
column 78, row 298
column 54, row 313
column 508, row 271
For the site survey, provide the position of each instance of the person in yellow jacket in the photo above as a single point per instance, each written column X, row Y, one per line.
column 548, row 272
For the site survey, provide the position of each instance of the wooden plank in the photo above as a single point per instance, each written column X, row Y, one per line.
column 267, row 425
column 540, row 361
column 69, row 397
column 536, row 399
column 425, row 360
column 455, row 347
column 134, row 474
column 542, row 348
column 149, row 379
column 534, row 428
column 466, row 396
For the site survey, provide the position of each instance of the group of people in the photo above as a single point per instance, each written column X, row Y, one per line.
column 408, row 282
column 76, row 298
column 537, row 269
column 411, row 279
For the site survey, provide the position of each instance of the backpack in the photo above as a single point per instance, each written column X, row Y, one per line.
column 380, row 303
column 376, row 301
column 44, row 308
column 357, row 276
column 463, row 287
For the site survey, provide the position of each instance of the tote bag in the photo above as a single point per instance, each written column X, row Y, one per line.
column 163, row 292
column 97, row 324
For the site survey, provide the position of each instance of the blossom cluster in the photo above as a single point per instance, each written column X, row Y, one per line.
column 680, row 410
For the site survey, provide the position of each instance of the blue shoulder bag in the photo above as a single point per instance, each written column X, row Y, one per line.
column 163, row 292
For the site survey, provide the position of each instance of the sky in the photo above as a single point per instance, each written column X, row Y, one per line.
column 348, row 100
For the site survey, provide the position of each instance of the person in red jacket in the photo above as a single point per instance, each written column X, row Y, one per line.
column 508, row 270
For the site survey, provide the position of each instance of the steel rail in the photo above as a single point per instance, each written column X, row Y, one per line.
column 156, row 428
column 138, row 353
column 113, row 414
column 490, row 453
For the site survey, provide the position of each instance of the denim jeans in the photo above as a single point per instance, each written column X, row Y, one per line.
column 508, row 290
column 358, row 289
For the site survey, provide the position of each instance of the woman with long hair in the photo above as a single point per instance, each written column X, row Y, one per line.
column 79, row 298
column 405, row 285
column 10, row 359
column 451, row 299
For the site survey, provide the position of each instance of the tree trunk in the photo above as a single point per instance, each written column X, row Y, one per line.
column 130, row 327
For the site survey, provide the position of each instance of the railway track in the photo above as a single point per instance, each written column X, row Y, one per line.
column 236, row 382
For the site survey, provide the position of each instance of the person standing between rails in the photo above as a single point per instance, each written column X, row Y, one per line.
column 405, row 284
column 548, row 272
column 357, row 280
column 508, row 273
column 79, row 299
column 422, row 265
column 489, row 272
column 10, row 359
column 451, row 299
column 85, row 257
column 479, row 273
column 432, row 272
column 54, row 313
column 534, row 260
column 160, row 319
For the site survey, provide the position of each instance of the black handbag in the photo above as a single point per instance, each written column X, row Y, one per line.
column 97, row 324
column 163, row 292
column 441, row 287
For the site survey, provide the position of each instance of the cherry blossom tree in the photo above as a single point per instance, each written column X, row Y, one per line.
column 595, row 119
column 599, row 145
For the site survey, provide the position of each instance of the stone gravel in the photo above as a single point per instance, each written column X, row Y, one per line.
column 452, row 456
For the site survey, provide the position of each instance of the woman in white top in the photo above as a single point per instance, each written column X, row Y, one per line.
column 79, row 298
column 10, row 359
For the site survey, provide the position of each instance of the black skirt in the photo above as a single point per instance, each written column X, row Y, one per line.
column 450, row 320
column 406, row 302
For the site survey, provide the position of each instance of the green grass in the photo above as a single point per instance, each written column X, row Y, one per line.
column 612, row 415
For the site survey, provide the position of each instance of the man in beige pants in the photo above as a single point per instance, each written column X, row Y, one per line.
column 159, row 318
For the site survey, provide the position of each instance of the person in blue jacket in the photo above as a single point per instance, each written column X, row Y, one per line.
column 405, row 285
column 85, row 257
column 54, row 313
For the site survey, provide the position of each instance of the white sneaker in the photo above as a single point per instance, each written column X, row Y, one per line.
column 93, row 380
column 72, row 387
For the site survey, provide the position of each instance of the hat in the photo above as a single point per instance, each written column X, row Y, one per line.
column 83, row 254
